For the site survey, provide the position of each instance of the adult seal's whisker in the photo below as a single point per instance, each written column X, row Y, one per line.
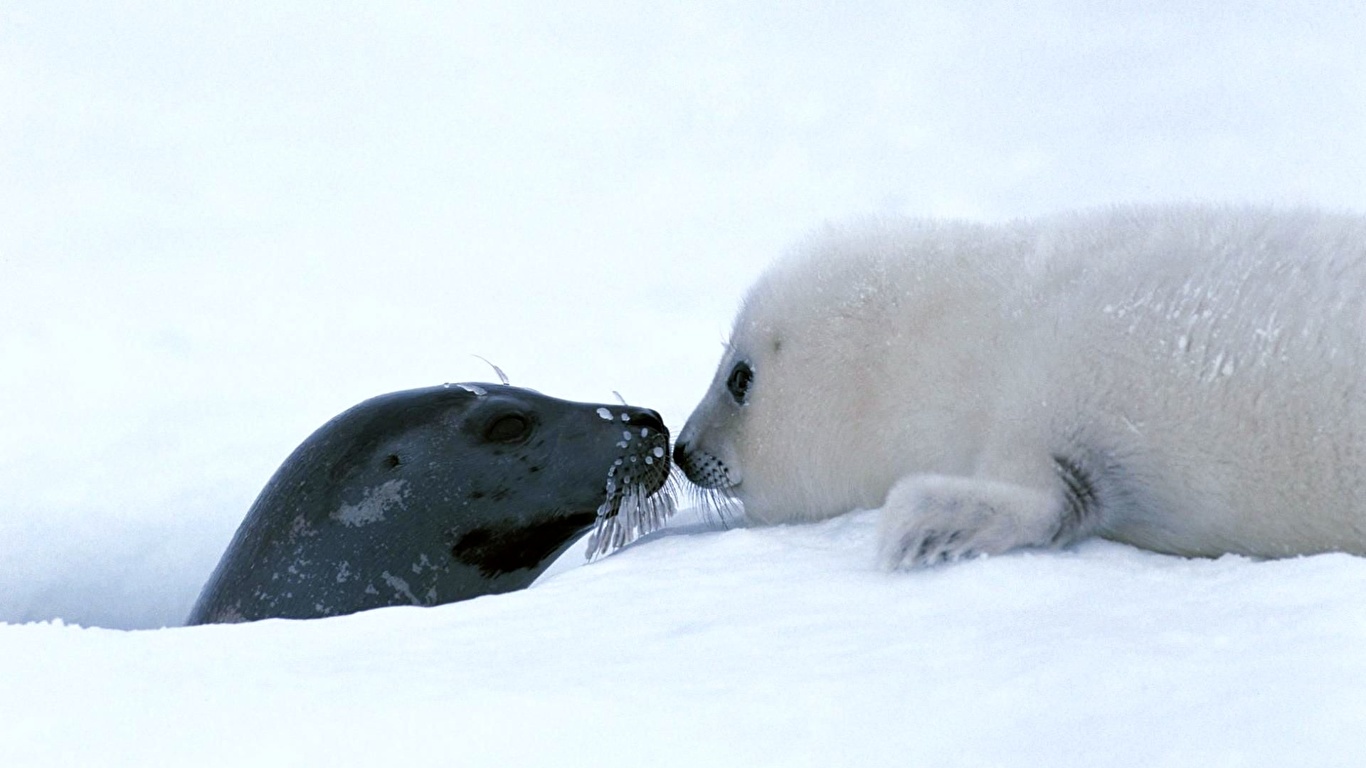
column 499, row 371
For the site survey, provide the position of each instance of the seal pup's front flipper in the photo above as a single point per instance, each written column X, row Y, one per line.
column 930, row 519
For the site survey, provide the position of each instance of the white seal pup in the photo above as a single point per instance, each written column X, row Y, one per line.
column 1188, row 380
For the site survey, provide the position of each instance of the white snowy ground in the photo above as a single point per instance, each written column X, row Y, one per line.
column 742, row 648
column 222, row 223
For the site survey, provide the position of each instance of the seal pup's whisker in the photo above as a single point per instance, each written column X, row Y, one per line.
column 725, row 505
column 720, row 503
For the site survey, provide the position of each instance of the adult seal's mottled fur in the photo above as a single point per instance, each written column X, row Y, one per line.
column 436, row 495
column 1188, row 380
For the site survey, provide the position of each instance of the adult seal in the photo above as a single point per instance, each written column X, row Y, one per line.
column 435, row 495
column 1190, row 380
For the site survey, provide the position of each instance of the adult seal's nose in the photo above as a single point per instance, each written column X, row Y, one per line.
column 644, row 417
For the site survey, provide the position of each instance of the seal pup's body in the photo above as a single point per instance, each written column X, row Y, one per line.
column 1187, row 380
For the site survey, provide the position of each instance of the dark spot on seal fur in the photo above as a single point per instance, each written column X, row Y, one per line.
column 499, row 549
column 392, row 461
column 375, row 426
column 1080, row 502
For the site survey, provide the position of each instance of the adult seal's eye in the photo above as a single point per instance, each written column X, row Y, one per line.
column 507, row 429
column 738, row 383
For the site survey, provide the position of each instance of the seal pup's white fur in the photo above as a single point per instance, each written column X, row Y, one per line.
column 1188, row 380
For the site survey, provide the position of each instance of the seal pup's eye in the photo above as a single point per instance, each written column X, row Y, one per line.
column 738, row 383
column 507, row 429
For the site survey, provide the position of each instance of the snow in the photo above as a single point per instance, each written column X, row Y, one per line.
column 221, row 224
column 745, row 647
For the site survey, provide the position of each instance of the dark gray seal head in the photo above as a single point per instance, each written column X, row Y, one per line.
column 434, row 495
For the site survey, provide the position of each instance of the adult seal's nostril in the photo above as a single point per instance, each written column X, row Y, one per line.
column 437, row 495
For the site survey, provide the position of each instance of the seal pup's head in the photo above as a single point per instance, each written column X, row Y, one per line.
column 851, row 360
